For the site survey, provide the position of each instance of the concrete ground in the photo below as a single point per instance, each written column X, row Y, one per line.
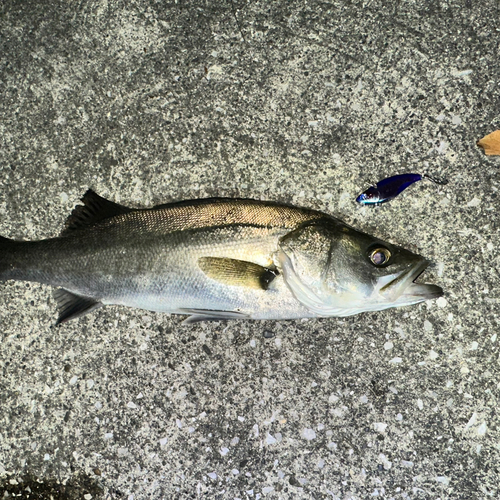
column 303, row 102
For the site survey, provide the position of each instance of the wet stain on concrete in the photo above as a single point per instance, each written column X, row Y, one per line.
column 28, row 487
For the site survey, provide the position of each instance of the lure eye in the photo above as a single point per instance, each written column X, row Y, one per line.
column 380, row 256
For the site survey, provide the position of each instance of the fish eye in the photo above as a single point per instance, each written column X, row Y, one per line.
column 380, row 256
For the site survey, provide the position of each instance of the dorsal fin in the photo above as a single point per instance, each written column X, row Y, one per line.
column 95, row 209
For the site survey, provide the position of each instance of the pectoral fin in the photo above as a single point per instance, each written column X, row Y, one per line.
column 71, row 305
column 237, row 272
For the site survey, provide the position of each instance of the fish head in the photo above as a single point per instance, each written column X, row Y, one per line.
column 335, row 270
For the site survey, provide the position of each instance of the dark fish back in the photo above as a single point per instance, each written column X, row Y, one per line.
column 208, row 213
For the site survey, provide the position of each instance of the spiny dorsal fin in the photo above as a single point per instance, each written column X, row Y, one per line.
column 94, row 209
column 237, row 272
column 71, row 305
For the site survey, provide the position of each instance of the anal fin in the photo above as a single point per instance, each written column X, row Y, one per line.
column 72, row 306
column 237, row 272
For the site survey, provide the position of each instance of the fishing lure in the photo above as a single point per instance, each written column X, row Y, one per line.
column 387, row 189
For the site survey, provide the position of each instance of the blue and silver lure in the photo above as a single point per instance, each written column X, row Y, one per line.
column 387, row 189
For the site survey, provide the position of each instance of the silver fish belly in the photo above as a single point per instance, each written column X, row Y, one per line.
column 216, row 259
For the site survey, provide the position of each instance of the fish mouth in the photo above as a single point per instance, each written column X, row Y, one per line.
column 402, row 289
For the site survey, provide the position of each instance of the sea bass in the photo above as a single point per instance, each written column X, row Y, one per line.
column 214, row 259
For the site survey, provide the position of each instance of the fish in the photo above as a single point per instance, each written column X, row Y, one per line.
column 216, row 259
column 390, row 187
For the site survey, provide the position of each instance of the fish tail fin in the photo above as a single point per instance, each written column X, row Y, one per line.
column 6, row 259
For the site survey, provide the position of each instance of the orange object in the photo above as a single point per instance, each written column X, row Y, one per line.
column 490, row 143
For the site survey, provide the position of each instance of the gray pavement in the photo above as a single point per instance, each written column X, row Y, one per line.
column 303, row 102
